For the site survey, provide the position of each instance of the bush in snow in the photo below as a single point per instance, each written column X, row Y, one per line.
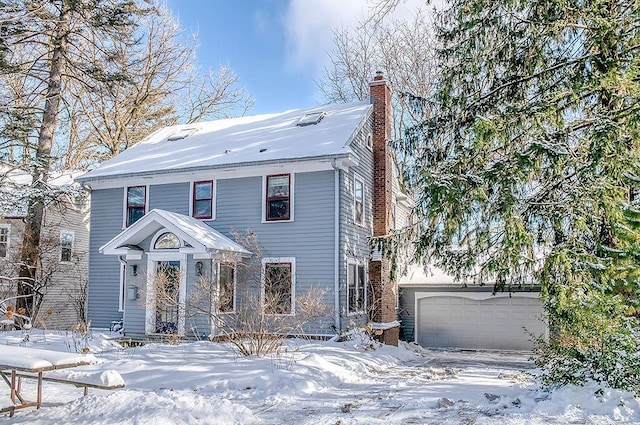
column 264, row 312
column 594, row 338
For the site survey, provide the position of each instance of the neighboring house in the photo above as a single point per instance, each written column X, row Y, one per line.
column 439, row 312
column 63, row 250
column 314, row 185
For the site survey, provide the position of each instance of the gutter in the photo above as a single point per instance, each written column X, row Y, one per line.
column 346, row 157
column 336, row 264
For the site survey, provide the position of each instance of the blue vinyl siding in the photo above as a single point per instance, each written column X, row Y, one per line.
column 309, row 238
column 407, row 314
column 354, row 239
column 104, row 271
column 170, row 197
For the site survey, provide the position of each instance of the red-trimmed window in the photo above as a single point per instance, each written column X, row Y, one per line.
column 278, row 288
column 278, row 200
column 136, row 201
column 202, row 206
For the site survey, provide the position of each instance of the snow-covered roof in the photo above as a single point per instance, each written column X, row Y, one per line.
column 15, row 188
column 236, row 141
column 201, row 237
column 416, row 275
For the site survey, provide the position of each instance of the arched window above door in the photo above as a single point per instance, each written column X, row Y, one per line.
column 167, row 240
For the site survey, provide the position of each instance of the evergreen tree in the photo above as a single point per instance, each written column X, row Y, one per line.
column 526, row 169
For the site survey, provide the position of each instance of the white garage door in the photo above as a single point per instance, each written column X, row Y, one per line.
column 491, row 323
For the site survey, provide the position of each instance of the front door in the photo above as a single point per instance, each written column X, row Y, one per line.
column 167, row 296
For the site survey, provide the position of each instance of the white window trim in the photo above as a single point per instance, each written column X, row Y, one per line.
column 73, row 245
column 365, row 306
column 154, row 239
column 368, row 141
column 150, row 302
column 292, row 261
column 356, row 178
column 124, row 204
column 291, row 198
column 235, row 279
column 8, row 227
column 214, row 203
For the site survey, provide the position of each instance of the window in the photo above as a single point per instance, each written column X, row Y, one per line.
column 369, row 141
column 311, row 118
column 136, row 200
column 181, row 134
column 226, row 285
column 356, row 284
column 202, row 203
column 409, row 220
column 66, row 245
column 4, row 240
column 278, row 205
column 278, row 287
column 358, row 202
column 167, row 241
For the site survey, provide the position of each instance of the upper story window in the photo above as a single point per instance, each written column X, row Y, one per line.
column 356, row 287
column 369, row 141
column 167, row 241
column 278, row 197
column 358, row 201
column 278, row 294
column 66, row 245
column 136, row 203
column 226, row 287
column 4, row 240
column 202, row 202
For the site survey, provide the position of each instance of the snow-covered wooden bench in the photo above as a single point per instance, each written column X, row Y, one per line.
column 33, row 361
column 102, row 379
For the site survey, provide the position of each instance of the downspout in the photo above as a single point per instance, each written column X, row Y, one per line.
column 336, row 237
column 123, row 269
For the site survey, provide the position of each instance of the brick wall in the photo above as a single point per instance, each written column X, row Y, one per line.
column 384, row 290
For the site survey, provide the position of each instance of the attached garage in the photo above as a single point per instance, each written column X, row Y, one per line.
column 477, row 320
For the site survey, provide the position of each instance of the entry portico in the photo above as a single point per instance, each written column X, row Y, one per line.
column 176, row 247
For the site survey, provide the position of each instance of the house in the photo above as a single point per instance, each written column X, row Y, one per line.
column 314, row 186
column 63, row 251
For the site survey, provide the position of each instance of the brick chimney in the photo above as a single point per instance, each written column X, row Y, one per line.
column 384, row 290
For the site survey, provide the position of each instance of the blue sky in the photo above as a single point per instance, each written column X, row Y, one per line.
column 251, row 38
column 276, row 47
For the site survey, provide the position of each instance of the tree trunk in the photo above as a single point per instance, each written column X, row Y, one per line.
column 30, row 258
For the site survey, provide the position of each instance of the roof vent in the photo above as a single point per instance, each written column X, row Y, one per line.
column 311, row 118
column 182, row 134
column 263, row 150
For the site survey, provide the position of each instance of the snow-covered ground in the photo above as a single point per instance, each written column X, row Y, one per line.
column 313, row 382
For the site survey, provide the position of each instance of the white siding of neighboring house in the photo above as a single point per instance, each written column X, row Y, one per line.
column 65, row 278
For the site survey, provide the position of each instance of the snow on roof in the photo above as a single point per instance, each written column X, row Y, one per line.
column 416, row 275
column 192, row 230
column 251, row 139
column 19, row 177
column 15, row 184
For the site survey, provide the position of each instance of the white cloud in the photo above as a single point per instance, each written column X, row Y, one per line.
column 309, row 26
